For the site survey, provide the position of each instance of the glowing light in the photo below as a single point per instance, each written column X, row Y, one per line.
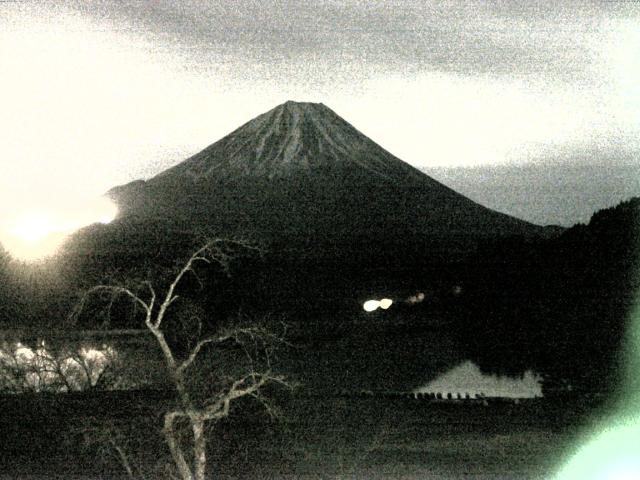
column 106, row 211
column 31, row 241
column 385, row 303
column 611, row 450
column 92, row 354
column 371, row 305
column 417, row 298
column 34, row 234
column 32, row 227
column 24, row 354
column 611, row 455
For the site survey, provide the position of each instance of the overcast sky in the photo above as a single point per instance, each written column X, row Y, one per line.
column 99, row 92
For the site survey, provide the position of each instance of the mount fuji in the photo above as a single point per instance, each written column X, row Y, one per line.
column 301, row 173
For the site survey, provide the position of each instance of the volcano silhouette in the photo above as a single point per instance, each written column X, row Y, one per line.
column 340, row 218
column 299, row 173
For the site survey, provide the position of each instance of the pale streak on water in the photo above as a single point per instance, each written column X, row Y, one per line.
column 467, row 378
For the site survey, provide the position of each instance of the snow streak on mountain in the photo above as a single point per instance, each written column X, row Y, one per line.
column 300, row 171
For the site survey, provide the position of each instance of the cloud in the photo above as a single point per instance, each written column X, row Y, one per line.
column 562, row 190
column 100, row 92
column 507, row 38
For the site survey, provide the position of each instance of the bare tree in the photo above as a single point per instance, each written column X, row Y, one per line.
column 201, row 399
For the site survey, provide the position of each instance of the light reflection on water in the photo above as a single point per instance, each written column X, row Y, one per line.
column 41, row 368
column 467, row 378
column 79, row 362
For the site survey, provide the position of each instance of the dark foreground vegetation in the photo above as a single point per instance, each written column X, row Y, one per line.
column 87, row 435
column 559, row 306
column 562, row 307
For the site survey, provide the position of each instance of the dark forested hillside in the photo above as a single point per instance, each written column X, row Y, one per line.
column 560, row 306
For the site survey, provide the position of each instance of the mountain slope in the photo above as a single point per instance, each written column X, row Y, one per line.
column 343, row 221
column 289, row 140
column 303, row 173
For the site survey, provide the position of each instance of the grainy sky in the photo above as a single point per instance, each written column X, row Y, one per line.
column 99, row 92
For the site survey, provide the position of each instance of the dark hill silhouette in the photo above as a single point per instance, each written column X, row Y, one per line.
column 560, row 306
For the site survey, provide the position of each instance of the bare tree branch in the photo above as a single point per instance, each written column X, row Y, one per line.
column 253, row 340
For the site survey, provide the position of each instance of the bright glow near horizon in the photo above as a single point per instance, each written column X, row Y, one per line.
column 96, row 94
column 35, row 233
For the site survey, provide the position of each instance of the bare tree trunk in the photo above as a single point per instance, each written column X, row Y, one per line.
column 174, row 447
column 199, row 449
column 124, row 460
column 196, row 413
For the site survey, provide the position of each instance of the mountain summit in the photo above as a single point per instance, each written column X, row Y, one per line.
column 292, row 139
column 301, row 173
